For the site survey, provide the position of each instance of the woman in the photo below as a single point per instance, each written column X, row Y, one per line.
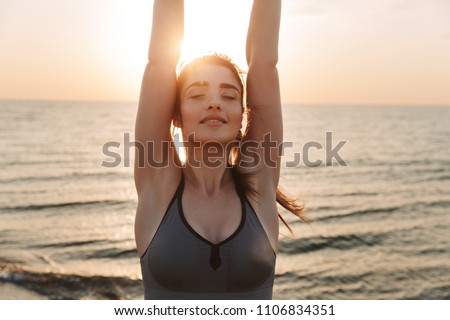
column 209, row 229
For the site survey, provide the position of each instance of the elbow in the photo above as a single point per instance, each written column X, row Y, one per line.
column 166, row 60
column 263, row 65
column 265, row 61
column 164, row 54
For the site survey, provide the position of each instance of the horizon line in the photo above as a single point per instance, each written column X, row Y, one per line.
column 285, row 104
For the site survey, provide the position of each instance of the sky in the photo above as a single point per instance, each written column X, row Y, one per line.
column 366, row 52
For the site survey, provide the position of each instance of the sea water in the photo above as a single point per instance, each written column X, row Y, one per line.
column 379, row 210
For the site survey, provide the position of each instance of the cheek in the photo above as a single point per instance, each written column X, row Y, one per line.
column 238, row 114
column 188, row 111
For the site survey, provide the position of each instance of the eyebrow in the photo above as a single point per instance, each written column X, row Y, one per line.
column 206, row 84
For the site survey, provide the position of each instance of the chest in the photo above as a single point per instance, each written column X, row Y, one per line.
column 178, row 259
column 213, row 218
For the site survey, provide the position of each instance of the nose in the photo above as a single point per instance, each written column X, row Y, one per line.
column 214, row 106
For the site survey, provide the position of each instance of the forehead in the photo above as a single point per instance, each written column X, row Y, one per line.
column 211, row 73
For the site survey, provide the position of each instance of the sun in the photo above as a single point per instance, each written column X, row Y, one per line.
column 218, row 26
column 210, row 26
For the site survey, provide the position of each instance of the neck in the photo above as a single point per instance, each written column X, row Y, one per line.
column 207, row 167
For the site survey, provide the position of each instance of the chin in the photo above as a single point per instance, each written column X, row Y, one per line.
column 215, row 140
column 204, row 137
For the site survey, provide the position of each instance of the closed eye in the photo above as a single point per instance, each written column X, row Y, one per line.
column 230, row 94
column 196, row 93
column 229, row 97
column 197, row 96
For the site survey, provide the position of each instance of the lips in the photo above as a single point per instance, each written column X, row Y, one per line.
column 213, row 119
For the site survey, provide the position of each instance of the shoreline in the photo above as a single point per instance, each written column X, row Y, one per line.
column 11, row 291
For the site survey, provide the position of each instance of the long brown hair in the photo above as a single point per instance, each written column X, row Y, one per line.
column 289, row 203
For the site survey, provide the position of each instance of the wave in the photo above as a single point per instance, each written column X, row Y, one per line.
column 36, row 162
column 71, row 286
column 113, row 253
column 442, row 178
column 358, row 213
column 62, row 205
column 351, row 194
column 342, row 242
column 441, row 292
column 442, row 163
column 428, row 179
column 67, row 244
column 439, row 204
column 75, row 175
column 379, row 283
column 374, row 211
column 432, row 252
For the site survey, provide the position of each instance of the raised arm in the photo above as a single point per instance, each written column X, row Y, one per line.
column 158, row 91
column 263, row 31
column 263, row 91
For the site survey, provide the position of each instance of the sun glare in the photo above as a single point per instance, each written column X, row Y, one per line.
column 219, row 26
column 210, row 26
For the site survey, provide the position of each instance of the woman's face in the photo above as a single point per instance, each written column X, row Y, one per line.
column 210, row 104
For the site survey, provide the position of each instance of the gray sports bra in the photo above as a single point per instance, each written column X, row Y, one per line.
column 181, row 264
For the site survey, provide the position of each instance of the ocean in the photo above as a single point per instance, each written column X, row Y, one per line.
column 375, row 180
